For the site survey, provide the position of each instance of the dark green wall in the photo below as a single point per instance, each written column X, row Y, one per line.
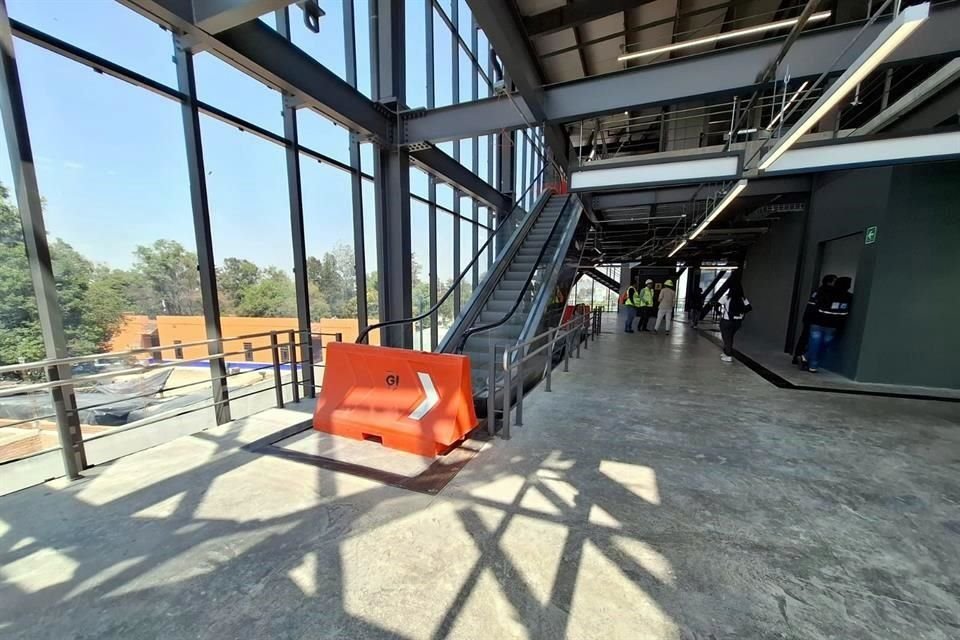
column 912, row 333
column 768, row 280
column 844, row 203
column 904, row 327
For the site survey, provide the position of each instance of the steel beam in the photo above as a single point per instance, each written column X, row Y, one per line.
column 933, row 112
column 187, row 84
column 297, row 232
column 507, row 38
column 437, row 163
column 392, row 177
column 729, row 71
column 432, row 278
column 356, row 178
column 574, row 15
column 214, row 16
column 258, row 50
column 756, row 187
column 35, row 244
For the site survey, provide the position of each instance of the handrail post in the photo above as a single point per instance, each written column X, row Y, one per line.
column 507, row 383
column 585, row 328
column 294, row 376
column 577, row 334
column 522, row 352
column 547, row 376
column 566, row 353
column 492, row 391
column 275, row 353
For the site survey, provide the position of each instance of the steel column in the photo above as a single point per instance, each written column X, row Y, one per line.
column 187, row 84
column 30, row 206
column 392, row 177
column 297, row 232
column 356, row 179
column 432, row 182
column 475, row 160
column 455, row 93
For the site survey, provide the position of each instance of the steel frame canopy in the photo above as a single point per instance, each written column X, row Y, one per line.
column 725, row 72
column 258, row 50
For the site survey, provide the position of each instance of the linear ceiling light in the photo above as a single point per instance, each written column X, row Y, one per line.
column 717, row 210
column 790, row 102
column 677, row 248
column 729, row 35
column 889, row 39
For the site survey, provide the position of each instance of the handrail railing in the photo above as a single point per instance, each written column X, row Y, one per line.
column 456, row 283
column 585, row 325
column 526, row 285
column 111, row 355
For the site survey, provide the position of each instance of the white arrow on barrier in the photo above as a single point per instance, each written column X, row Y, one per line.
column 430, row 401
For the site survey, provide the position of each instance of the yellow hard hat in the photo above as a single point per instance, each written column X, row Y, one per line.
column 668, row 283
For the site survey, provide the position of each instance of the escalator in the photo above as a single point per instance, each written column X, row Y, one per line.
column 524, row 293
column 420, row 402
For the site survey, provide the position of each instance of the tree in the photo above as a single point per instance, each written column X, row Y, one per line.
column 273, row 296
column 92, row 298
column 169, row 272
column 234, row 279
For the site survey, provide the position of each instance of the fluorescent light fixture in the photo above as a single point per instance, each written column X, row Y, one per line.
column 677, row 248
column 889, row 39
column 717, row 210
column 720, row 37
column 744, row 132
column 787, row 106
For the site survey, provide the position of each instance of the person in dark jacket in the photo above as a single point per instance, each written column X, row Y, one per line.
column 809, row 313
column 833, row 309
column 695, row 304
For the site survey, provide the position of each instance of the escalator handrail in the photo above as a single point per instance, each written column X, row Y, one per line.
column 516, row 305
column 456, row 283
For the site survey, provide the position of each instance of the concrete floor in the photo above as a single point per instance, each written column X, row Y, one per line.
column 656, row 493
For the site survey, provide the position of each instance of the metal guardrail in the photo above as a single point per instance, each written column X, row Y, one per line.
column 281, row 339
column 581, row 329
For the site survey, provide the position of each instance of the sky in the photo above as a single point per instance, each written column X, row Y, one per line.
column 110, row 158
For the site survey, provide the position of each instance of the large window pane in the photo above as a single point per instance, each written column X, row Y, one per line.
column 445, row 274
column 323, row 136
column 416, row 53
column 250, row 222
column 331, row 274
column 327, row 46
column 237, row 93
column 420, row 243
column 119, row 222
column 105, row 28
column 442, row 55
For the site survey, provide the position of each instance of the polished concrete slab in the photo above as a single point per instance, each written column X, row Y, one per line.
column 655, row 493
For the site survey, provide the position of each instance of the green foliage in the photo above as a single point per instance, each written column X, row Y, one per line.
column 168, row 275
column 164, row 280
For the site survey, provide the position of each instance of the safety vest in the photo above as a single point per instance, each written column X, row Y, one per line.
column 646, row 297
column 632, row 300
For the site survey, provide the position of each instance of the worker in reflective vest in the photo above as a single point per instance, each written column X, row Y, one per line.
column 631, row 304
column 645, row 310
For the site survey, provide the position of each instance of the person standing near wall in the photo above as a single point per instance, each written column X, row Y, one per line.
column 667, row 298
column 631, row 303
column 833, row 309
column 733, row 307
column 809, row 314
column 646, row 304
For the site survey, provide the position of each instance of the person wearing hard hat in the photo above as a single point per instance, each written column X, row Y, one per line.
column 646, row 304
column 668, row 296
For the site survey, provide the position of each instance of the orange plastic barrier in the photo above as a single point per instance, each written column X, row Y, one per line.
column 408, row 400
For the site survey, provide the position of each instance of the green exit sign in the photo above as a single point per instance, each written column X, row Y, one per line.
column 871, row 235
